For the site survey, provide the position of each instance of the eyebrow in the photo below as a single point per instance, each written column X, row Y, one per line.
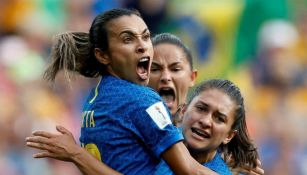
column 218, row 112
column 155, row 64
column 222, row 114
column 202, row 103
column 133, row 33
column 173, row 64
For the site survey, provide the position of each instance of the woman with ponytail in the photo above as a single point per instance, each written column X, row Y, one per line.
column 124, row 123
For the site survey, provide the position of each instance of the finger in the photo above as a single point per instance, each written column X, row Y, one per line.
column 241, row 170
column 43, row 134
column 35, row 145
column 258, row 162
column 42, row 146
column 39, row 139
column 63, row 130
column 258, row 171
column 235, row 171
column 43, row 155
column 251, row 173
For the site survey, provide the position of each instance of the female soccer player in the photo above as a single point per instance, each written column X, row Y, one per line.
column 172, row 73
column 172, row 68
column 125, row 124
column 214, row 123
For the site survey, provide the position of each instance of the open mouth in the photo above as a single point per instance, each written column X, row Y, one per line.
column 201, row 133
column 143, row 68
column 168, row 95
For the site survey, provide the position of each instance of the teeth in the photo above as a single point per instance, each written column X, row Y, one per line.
column 143, row 59
column 201, row 133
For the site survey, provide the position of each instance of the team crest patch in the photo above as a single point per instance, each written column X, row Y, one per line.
column 159, row 114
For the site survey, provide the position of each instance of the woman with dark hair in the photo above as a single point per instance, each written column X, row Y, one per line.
column 214, row 123
column 172, row 73
column 124, row 123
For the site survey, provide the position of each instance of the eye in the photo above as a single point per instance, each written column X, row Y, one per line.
column 127, row 39
column 176, row 69
column 146, row 37
column 154, row 68
column 220, row 118
column 201, row 108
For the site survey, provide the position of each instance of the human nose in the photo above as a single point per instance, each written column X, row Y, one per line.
column 165, row 76
column 142, row 46
column 206, row 120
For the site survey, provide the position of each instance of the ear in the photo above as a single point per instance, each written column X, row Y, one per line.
column 102, row 57
column 193, row 77
column 230, row 136
column 179, row 115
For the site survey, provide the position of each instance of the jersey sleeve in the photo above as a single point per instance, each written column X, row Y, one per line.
column 155, row 128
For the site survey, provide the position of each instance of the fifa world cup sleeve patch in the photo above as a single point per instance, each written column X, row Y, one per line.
column 159, row 114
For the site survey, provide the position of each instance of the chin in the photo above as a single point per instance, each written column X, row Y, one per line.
column 198, row 148
column 197, row 145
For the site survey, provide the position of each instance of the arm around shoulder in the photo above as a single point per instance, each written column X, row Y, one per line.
column 180, row 161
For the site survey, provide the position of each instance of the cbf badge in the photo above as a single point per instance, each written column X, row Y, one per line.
column 159, row 114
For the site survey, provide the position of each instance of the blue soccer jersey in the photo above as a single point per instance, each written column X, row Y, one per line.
column 217, row 164
column 127, row 126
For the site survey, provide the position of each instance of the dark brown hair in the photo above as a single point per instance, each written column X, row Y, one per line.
column 240, row 148
column 174, row 40
column 74, row 51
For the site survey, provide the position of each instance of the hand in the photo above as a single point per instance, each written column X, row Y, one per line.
column 58, row 146
column 248, row 170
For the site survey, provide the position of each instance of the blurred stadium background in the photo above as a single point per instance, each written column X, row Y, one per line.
column 261, row 45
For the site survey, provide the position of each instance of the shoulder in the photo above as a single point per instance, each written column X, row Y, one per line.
column 129, row 91
column 218, row 165
column 143, row 96
column 136, row 91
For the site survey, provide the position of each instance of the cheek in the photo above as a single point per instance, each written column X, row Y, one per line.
column 182, row 87
column 189, row 121
column 186, row 128
column 183, row 91
column 183, row 81
column 221, row 132
column 154, row 80
column 150, row 49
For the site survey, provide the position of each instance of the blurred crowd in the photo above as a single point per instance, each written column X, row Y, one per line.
column 260, row 45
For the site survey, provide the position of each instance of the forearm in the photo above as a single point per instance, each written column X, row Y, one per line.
column 181, row 162
column 63, row 147
column 89, row 165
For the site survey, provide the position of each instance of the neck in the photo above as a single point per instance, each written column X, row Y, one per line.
column 203, row 156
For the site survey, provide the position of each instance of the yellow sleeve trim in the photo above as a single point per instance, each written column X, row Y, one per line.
column 96, row 92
